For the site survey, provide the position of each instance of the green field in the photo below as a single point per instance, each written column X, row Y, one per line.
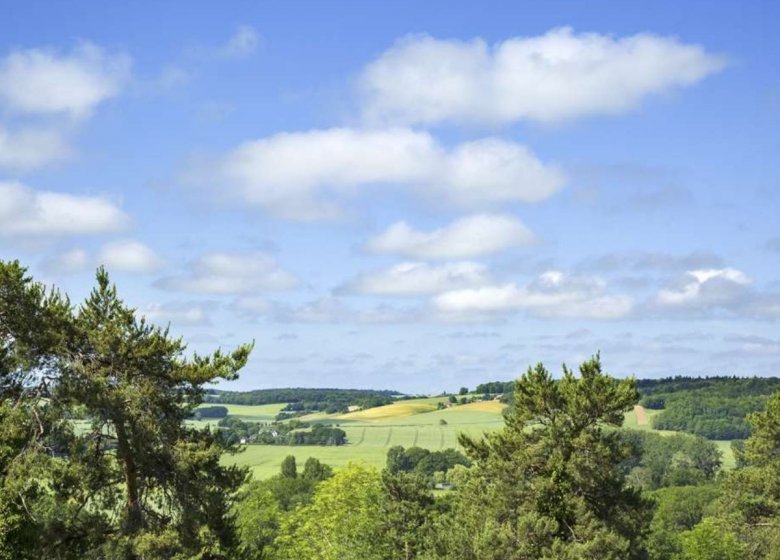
column 247, row 413
column 373, row 431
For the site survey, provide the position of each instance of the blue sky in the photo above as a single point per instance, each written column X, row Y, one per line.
column 407, row 195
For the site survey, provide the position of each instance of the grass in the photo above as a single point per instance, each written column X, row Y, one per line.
column 729, row 461
column 372, row 432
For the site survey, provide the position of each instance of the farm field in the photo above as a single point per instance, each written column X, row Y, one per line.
column 372, row 432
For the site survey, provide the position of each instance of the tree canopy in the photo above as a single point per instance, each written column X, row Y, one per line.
column 135, row 481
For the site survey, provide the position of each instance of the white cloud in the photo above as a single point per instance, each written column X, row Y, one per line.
column 231, row 273
column 25, row 212
column 180, row 313
column 413, row 278
column 42, row 81
column 552, row 295
column 706, row 287
column 29, row 148
column 556, row 76
column 129, row 256
column 243, row 42
column 302, row 175
column 713, row 293
column 472, row 236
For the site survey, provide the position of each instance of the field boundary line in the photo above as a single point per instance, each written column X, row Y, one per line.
column 362, row 436
column 389, row 435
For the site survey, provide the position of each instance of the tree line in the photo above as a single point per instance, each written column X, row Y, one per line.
column 711, row 407
column 292, row 432
column 306, row 400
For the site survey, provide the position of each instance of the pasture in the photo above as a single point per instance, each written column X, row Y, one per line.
column 372, row 432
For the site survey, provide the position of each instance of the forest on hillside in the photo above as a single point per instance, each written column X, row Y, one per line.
column 138, row 481
column 715, row 407
column 711, row 407
column 305, row 400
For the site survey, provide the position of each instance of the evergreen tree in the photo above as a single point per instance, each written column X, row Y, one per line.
column 549, row 486
column 139, row 483
column 289, row 469
column 749, row 507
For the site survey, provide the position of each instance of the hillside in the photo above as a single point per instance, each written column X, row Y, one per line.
column 410, row 422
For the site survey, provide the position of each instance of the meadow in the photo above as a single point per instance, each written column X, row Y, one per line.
column 372, row 432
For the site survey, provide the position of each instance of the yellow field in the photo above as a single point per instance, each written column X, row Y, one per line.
column 496, row 407
column 391, row 411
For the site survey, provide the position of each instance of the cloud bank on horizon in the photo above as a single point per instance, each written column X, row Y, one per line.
column 465, row 185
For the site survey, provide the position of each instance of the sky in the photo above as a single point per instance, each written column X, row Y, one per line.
column 407, row 195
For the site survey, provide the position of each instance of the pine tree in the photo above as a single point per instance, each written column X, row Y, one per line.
column 139, row 483
column 549, row 485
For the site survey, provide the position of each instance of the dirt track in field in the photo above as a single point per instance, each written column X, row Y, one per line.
column 641, row 415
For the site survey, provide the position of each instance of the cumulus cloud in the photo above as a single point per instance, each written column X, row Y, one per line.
column 29, row 148
column 44, row 81
column 705, row 288
column 551, row 295
column 303, row 175
column 716, row 292
column 25, row 212
column 553, row 77
column 414, row 278
column 231, row 273
column 243, row 42
column 472, row 236
column 129, row 256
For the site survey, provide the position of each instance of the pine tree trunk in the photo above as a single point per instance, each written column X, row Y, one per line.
column 133, row 505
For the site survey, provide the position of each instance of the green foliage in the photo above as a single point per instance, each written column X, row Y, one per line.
column 209, row 412
column 496, row 387
column 550, row 484
column 405, row 512
column 422, row 461
column 749, row 506
column 258, row 515
column 677, row 509
column 307, row 400
column 341, row 522
column 289, row 469
column 677, row 460
column 712, row 407
column 138, row 482
column 235, row 430
column 315, row 471
column 708, row 541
